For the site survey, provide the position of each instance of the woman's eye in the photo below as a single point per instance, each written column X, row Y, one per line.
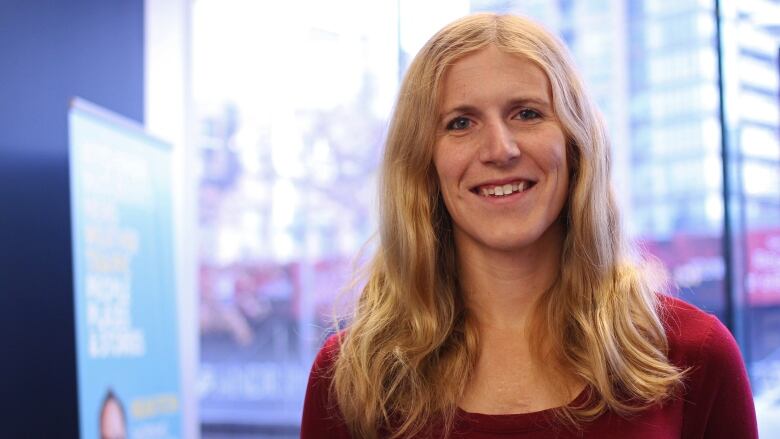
column 459, row 123
column 526, row 114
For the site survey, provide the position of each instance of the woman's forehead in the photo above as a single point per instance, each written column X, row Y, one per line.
column 492, row 72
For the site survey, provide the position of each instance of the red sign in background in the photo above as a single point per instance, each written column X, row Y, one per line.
column 763, row 267
column 696, row 262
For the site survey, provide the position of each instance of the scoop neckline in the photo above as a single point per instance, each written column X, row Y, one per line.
column 514, row 422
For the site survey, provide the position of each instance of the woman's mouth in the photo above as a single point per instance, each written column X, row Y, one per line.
column 503, row 190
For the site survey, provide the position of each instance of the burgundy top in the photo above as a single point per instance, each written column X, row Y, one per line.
column 716, row 402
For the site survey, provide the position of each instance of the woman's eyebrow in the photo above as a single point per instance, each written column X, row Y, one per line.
column 460, row 109
column 529, row 100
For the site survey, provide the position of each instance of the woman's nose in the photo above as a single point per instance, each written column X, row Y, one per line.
column 498, row 147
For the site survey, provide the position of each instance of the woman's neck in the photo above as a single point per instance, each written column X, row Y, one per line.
column 501, row 288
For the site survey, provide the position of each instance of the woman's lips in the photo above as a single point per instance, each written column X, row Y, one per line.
column 503, row 189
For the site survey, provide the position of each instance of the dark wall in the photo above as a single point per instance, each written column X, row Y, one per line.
column 50, row 50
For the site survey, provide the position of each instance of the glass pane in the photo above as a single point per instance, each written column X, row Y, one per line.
column 751, row 40
column 291, row 114
column 677, row 213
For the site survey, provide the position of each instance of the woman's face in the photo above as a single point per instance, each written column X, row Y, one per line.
column 500, row 153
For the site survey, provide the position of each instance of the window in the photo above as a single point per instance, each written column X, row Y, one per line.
column 292, row 114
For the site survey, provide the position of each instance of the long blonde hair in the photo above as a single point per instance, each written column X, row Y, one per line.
column 411, row 347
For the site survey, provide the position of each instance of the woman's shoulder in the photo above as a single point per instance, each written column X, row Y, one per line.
column 689, row 330
column 718, row 400
column 684, row 322
column 320, row 415
column 698, row 339
column 322, row 368
column 328, row 353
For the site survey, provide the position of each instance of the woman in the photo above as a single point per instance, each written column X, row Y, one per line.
column 503, row 298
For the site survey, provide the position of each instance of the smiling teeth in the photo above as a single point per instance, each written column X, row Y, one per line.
column 503, row 190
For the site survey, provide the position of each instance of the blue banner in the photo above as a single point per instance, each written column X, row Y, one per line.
column 125, row 296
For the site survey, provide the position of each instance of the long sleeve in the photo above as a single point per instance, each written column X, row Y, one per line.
column 321, row 418
column 720, row 402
